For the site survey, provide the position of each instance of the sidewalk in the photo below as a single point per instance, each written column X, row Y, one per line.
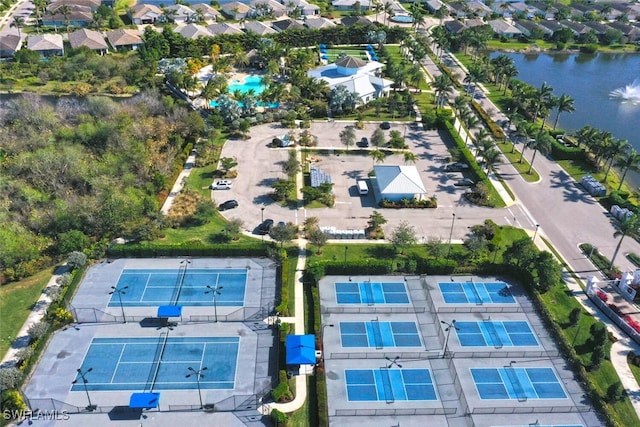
column 179, row 184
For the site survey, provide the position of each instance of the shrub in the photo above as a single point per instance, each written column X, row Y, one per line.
column 76, row 260
column 279, row 417
column 282, row 392
column 10, row 378
column 12, row 404
column 37, row 330
column 24, row 354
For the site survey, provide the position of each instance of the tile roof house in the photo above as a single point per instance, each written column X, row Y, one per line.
column 178, row 13
column 356, row 75
column 91, row 4
column 142, row 14
column 316, row 23
column 434, row 5
column 93, row 40
column 454, row 26
column 286, row 24
column 306, row 8
column 630, row 34
column 527, row 28
column 223, row 28
column 267, row 8
column 46, row 44
column 350, row 4
column 553, row 26
column 399, row 182
column 258, row 28
column 503, row 28
column 236, row 10
column 78, row 16
column 9, row 44
column 208, row 13
column 576, row 28
column 124, row 39
column 192, row 31
column 348, row 21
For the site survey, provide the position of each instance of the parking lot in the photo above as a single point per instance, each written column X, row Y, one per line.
column 259, row 166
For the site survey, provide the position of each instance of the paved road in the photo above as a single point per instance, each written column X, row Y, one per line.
column 23, row 9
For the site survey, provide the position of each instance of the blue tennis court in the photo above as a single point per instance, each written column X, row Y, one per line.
column 517, row 383
column 379, row 334
column 497, row 334
column 476, row 293
column 146, row 364
column 389, row 384
column 371, row 293
column 148, row 287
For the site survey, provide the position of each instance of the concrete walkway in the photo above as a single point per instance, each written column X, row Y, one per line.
column 37, row 314
column 179, row 184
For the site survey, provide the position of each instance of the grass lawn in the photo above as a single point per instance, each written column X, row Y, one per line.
column 16, row 301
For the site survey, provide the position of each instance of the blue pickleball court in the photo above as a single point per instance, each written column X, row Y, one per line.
column 496, row 334
column 379, row 334
column 145, row 364
column 371, row 293
column 156, row 287
column 389, row 385
column 477, row 293
column 517, row 383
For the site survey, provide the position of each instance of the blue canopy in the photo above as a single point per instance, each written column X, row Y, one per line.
column 301, row 349
column 323, row 46
column 144, row 400
column 374, row 57
column 324, row 57
column 170, row 311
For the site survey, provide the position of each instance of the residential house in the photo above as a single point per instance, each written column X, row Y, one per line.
column 122, row 39
column 504, row 29
column 545, row 11
column 145, row 14
column 9, row 44
column 258, row 28
column 632, row 10
column 502, row 8
column 349, row 4
column 615, row 12
column 598, row 28
column 470, row 23
column 455, row 27
column 357, row 76
column 202, row 12
column 529, row 27
column 552, row 26
column 268, row 8
column 317, row 23
column 434, row 5
column 398, row 182
column 178, row 13
column 305, row 8
column 91, row 39
column 76, row 16
column 576, row 28
column 223, row 28
column 469, row 9
column 286, row 24
column 46, row 44
column 349, row 21
column 91, row 4
column 522, row 10
column 630, row 34
column 192, row 31
column 236, row 10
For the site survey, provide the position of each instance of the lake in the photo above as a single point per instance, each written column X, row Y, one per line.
column 589, row 79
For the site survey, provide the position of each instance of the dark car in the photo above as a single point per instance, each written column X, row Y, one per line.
column 385, row 125
column 265, row 227
column 364, row 142
column 465, row 182
column 456, row 167
column 229, row 204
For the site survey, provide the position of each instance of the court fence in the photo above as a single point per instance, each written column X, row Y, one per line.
column 422, row 355
column 486, row 308
column 508, row 354
column 372, row 309
column 393, row 412
column 563, row 409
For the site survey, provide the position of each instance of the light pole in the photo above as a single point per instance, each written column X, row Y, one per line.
column 535, row 234
column 453, row 220
column 198, row 374
column 346, row 248
column 450, row 326
column 83, row 376
column 331, row 325
column 262, row 220
column 393, row 361
column 120, row 292
column 215, row 290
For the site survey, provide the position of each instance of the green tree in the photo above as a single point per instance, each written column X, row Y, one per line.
column 615, row 393
column 73, row 240
column 403, row 235
column 291, row 166
column 630, row 162
column 409, row 158
column 227, row 163
column 234, row 228
column 597, row 357
column 317, row 238
column 378, row 138
column 377, row 156
column 396, row 140
column 629, row 226
column 541, row 143
column 284, row 233
column 548, row 271
column 574, row 316
column 76, row 260
column 521, row 253
column 566, row 104
column 282, row 188
column 376, row 221
column 348, row 136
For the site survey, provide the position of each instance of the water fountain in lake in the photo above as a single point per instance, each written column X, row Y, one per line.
column 629, row 93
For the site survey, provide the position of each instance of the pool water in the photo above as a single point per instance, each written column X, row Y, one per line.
column 250, row 83
column 405, row 19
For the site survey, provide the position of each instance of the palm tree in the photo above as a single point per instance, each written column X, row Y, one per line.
column 616, row 149
column 442, row 86
column 388, row 10
column 65, row 11
column 629, row 226
column 524, row 132
column 629, row 162
column 540, row 98
column 377, row 156
column 470, row 122
column 416, row 76
column 409, row 158
column 492, row 157
column 565, row 105
column 541, row 143
column 18, row 22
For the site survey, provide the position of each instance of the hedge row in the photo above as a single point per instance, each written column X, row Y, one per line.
column 560, row 152
column 496, row 130
column 478, row 173
column 248, row 249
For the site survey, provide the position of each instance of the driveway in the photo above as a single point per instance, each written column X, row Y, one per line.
column 260, row 166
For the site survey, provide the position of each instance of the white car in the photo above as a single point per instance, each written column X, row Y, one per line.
column 223, row 184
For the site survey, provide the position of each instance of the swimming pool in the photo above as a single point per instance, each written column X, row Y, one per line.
column 404, row 19
column 250, row 83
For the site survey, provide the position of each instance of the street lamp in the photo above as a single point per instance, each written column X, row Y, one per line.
column 535, row 233
column 346, row 248
column 82, row 375
column 393, row 361
column 198, row 374
column 215, row 290
column 453, row 220
column 262, row 219
column 120, row 292
column 450, row 326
